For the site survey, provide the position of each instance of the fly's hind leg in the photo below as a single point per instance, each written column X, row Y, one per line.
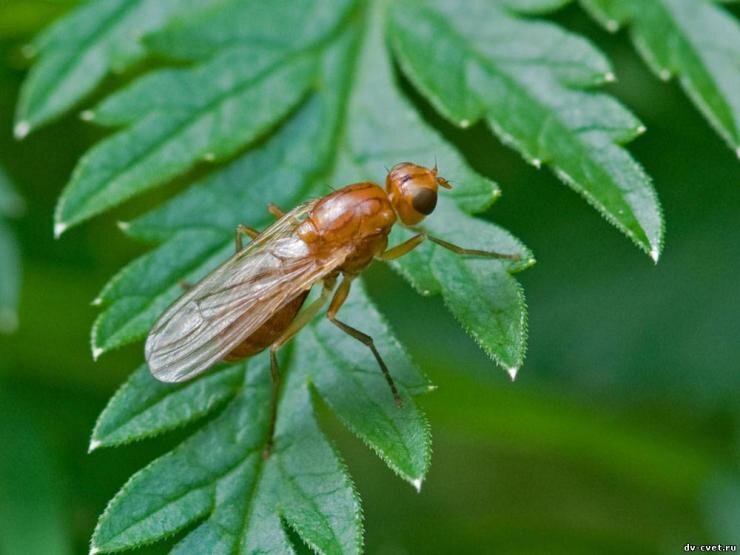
column 336, row 303
column 239, row 233
column 295, row 326
column 275, row 375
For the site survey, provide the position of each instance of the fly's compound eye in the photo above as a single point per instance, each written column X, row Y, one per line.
column 424, row 201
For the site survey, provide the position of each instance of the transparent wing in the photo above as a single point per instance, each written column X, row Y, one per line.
column 233, row 301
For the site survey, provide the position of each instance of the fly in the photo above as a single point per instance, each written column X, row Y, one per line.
column 253, row 301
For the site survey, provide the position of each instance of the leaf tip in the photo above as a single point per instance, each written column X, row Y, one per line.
column 87, row 115
column 655, row 253
column 526, row 263
column 96, row 352
column 94, row 550
column 609, row 77
column 97, row 301
column 612, row 25
column 417, row 484
column 464, row 123
column 94, row 444
column 123, row 226
column 21, row 130
column 59, row 228
column 537, row 163
column 664, row 74
column 640, row 129
column 512, row 371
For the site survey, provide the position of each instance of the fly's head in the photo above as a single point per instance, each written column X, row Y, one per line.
column 412, row 190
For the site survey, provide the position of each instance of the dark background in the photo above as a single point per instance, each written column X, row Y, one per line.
column 621, row 434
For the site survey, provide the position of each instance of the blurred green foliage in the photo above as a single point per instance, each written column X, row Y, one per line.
column 621, row 435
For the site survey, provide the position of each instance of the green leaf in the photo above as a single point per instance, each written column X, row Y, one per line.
column 302, row 95
column 349, row 380
column 476, row 60
column 211, row 32
column 78, row 51
column 171, row 134
column 696, row 40
column 489, row 305
column 10, row 261
column 220, row 478
column 323, row 143
column 143, row 289
column 353, row 387
column 144, row 407
column 140, row 292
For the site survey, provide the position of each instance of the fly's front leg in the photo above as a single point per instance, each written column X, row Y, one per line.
column 336, row 303
column 240, row 231
column 403, row 248
column 295, row 326
column 471, row 252
column 410, row 244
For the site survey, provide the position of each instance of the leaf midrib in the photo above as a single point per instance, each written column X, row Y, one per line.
column 290, row 478
column 251, row 494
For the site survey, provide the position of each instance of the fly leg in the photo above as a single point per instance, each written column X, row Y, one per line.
column 275, row 210
column 336, row 303
column 275, row 375
column 403, row 248
column 410, row 244
column 278, row 213
column 471, row 252
column 305, row 316
column 295, row 326
column 239, row 233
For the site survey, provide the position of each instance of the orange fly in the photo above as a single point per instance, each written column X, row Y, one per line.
column 252, row 301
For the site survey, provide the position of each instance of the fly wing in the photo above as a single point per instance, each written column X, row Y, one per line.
column 233, row 301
